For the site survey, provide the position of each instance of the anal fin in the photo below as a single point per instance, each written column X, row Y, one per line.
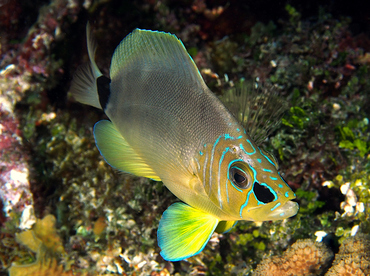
column 184, row 231
column 118, row 153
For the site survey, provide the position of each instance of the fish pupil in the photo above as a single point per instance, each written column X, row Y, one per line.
column 262, row 193
column 239, row 178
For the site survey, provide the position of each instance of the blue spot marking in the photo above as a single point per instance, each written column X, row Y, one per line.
column 277, row 205
column 280, row 186
column 200, row 152
column 259, row 160
column 274, row 178
column 286, row 194
column 237, row 129
column 267, row 170
column 282, row 214
column 294, row 194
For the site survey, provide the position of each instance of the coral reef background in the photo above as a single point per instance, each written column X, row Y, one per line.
column 96, row 221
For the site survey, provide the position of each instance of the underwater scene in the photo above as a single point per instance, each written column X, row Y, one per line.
column 184, row 137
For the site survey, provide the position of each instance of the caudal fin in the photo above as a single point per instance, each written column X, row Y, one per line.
column 83, row 87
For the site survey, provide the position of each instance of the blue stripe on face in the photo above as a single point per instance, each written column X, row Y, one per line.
column 226, row 137
column 218, row 177
column 273, row 178
column 249, row 153
column 211, row 161
column 267, row 170
column 268, row 159
column 259, row 160
column 280, row 186
column 249, row 193
column 245, row 203
column 277, row 205
column 286, row 194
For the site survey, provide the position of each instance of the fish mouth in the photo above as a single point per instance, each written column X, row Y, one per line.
column 287, row 210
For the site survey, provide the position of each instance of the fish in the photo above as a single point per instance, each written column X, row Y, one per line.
column 165, row 124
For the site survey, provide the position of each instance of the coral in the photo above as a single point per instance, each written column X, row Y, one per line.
column 304, row 257
column 43, row 240
column 44, row 234
column 353, row 257
column 44, row 267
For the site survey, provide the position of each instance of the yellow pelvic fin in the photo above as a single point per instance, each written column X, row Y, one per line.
column 225, row 226
column 118, row 153
column 184, row 231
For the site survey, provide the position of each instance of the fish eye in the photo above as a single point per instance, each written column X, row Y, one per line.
column 239, row 178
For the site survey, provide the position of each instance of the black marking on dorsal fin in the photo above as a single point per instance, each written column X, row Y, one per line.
column 103, row 84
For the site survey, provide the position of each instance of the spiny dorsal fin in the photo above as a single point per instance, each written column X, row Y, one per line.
column 258, row 109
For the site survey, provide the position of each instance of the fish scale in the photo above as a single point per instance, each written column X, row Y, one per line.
column 165, row 124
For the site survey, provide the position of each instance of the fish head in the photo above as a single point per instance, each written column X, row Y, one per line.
column 245, row 184
column 266, row 196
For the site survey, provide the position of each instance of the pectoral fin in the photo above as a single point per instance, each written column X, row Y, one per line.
column 118, row 153
column 184, row 231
